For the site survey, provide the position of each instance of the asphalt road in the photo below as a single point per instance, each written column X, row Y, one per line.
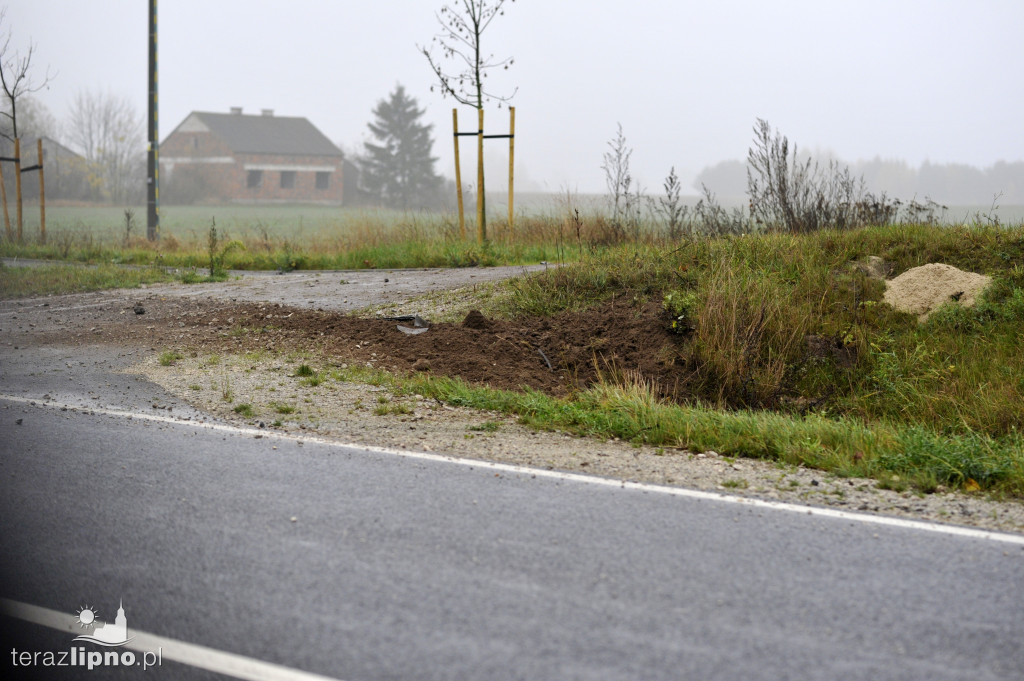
column 358, row 564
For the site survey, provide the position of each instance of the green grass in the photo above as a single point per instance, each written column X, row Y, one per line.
column 392, row 408
column 290, row 237
column 845, row 446
column 169, row 357
column 192, row 276
column 282, row 408
column 735, row 483
column 304, row 370
column 58, row 279
column 245, row 410
column 486, row 427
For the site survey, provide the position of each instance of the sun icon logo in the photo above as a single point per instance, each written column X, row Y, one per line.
column 86, row 617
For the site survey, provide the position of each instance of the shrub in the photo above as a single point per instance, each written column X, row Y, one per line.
column 802, row 196
column 682, row 308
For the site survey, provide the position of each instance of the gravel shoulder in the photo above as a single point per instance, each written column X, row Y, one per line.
column 218, row 383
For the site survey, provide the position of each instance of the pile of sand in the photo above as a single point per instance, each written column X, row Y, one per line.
column 922, row 290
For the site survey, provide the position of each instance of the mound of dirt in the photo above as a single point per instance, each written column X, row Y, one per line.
column 922, row 290
column 475, row 320
column 556, row 355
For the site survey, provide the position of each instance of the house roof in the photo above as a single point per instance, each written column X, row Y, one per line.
column 263, row 134
column 28, row 147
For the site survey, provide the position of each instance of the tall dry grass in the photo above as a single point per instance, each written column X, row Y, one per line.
column 746, row 336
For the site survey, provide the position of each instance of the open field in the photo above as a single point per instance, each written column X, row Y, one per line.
column 284, row 237
column 552, row 228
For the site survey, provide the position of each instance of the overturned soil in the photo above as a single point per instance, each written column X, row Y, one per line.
column 555, row 355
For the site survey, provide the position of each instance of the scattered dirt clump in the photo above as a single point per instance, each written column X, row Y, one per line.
column 475, row 320
column 922, row 290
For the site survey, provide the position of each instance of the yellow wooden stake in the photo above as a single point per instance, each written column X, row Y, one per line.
column 17, row 184
column 511, row 163
column 458, row 174
column 42, row 192
column 3, row 197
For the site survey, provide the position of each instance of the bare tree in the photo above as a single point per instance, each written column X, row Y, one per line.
column 34, row 120
column 462, row 27
column 109, row 133
column 15, row 77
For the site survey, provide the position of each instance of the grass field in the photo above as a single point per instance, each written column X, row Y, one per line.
column 547, row 228
column 284, row 237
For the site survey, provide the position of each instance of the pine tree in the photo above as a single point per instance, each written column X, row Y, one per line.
column 398, row 169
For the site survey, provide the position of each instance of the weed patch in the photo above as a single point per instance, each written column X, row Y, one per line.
column 169, row 357
column 245, row 410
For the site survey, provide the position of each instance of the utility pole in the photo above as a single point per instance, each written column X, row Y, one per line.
column 153, row 151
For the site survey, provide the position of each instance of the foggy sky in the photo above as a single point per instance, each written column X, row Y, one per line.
column 917, row 80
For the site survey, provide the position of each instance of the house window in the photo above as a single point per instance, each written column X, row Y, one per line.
column 195, row 142
column 287, row 179
column 254, row 180
column 323, row 180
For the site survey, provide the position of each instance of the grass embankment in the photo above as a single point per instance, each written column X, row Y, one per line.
column 17, row 282
column 938, row 403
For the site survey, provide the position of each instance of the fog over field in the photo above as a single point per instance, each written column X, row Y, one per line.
column 917, row 84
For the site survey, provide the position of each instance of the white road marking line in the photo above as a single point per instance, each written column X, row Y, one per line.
column 193, row 655
column 921, row 525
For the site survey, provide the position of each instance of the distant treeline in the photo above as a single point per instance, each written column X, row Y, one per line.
column 949, row 183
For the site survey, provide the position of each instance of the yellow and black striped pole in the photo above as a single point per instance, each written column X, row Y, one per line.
column 153, row 148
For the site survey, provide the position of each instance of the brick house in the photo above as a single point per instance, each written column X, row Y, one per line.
column 241, row 158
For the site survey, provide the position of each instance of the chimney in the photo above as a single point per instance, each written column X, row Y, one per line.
column 237, row 110
column 267, row 112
